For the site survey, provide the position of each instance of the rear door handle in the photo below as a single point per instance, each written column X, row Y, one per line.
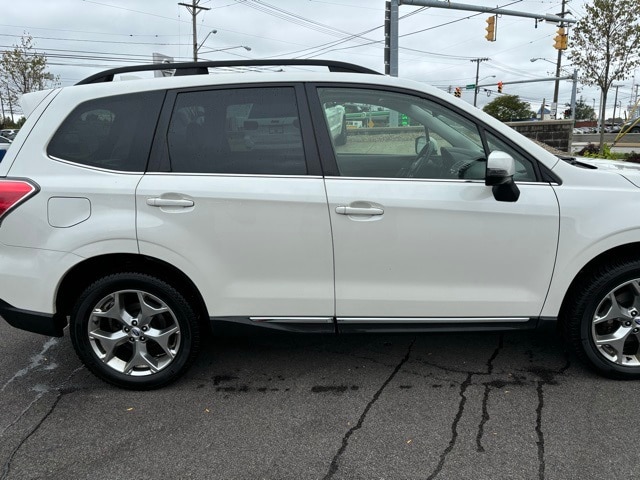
column 344, row 210
column 169, row 202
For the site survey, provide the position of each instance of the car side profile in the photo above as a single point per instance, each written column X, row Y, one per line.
column 142, row 212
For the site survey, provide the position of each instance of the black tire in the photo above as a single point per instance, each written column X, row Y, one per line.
column 117, row 343
column 593, row 296
column 341, row 139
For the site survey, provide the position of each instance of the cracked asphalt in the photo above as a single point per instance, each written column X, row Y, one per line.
column 439, row 406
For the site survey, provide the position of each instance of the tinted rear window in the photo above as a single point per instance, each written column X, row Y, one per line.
column 114, row 133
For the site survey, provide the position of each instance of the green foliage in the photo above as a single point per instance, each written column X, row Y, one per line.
column 508, row 108
column 23, row 70
column 6, row 122
column 604, row 45
column 633, row 157
column 583, row 111
column 593, row 151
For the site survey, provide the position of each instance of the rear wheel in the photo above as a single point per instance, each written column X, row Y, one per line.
column 134, row 331
column 604, row 323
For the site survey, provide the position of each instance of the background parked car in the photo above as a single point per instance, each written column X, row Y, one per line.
column 9, row 133
column 4, row 146
column 632, row 126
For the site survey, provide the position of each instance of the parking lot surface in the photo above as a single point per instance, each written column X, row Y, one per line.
column 446, row 406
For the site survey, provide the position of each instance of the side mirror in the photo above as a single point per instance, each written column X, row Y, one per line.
column 420, row 143
column 500, row 170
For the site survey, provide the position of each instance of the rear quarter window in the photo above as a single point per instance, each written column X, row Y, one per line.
column 114, row 132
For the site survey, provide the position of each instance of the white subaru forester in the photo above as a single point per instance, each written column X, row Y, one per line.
column 142, row 212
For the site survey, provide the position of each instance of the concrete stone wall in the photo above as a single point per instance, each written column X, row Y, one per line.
column 555, row 133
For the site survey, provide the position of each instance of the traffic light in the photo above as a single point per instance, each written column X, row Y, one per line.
column 499, row 87
column 561, row 39
column 458, row 92
column 491, row 28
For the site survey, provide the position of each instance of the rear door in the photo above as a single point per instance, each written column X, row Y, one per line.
column 234, row 198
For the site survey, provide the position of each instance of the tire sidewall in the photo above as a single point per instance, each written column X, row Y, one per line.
column 595, row 295
column 183, row 313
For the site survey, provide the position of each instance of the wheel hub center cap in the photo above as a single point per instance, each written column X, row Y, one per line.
column 136, row 332
column 637, row 320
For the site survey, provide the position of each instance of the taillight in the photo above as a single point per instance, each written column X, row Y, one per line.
column 13, row 193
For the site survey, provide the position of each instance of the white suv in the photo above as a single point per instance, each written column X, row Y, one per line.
column 142, row 212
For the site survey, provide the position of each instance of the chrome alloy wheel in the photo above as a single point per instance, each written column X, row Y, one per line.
column 615, row 327
column 134, row 332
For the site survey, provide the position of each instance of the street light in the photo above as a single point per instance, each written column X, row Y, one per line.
column 248, row 49
column 557, row 82
column 568, row 72
column 195, row 54
column 488, row 76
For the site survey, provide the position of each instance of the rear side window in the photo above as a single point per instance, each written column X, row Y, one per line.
column 114, row 133
column 237, row 131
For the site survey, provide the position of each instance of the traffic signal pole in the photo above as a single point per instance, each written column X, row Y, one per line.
column 573, row 78
column 556, row 89
column 393, row 30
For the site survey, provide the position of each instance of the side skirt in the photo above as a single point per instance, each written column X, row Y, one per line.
column 240, row 325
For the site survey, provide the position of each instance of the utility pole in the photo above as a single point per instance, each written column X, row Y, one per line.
column 558, row 64
column 615, row 104
column 391, row 38
column 194, row 10
column 475, row 89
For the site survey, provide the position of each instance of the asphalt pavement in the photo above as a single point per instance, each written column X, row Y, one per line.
column 446, row 406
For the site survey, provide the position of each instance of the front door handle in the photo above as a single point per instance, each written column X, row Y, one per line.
column 344, row 210
column 169, row 202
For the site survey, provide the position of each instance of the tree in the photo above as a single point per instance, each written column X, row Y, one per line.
column 509, row 107
column 604, row 46
column 23, row 70
column 583, row 111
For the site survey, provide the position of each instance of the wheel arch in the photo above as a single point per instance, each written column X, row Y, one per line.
column 621, row 252
column 88, row 271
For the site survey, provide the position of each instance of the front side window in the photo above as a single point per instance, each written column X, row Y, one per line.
column 395, row 135
column 236, row 131
column 114, row 133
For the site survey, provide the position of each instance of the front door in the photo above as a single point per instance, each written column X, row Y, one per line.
column 417, row 234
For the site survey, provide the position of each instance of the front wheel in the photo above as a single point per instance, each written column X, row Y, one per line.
column 604, row 320
column 134, row 331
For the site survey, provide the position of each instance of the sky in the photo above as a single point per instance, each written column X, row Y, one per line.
column 83, row 37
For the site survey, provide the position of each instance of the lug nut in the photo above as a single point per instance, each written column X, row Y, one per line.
column 127, row 329
column 142, row 339
column 627, row 323
column 145, row 328
column 636, row 330
column 634, row 313
column 134, row 322
column 131, row 339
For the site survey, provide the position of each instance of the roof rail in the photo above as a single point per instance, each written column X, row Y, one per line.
column 200, row 68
